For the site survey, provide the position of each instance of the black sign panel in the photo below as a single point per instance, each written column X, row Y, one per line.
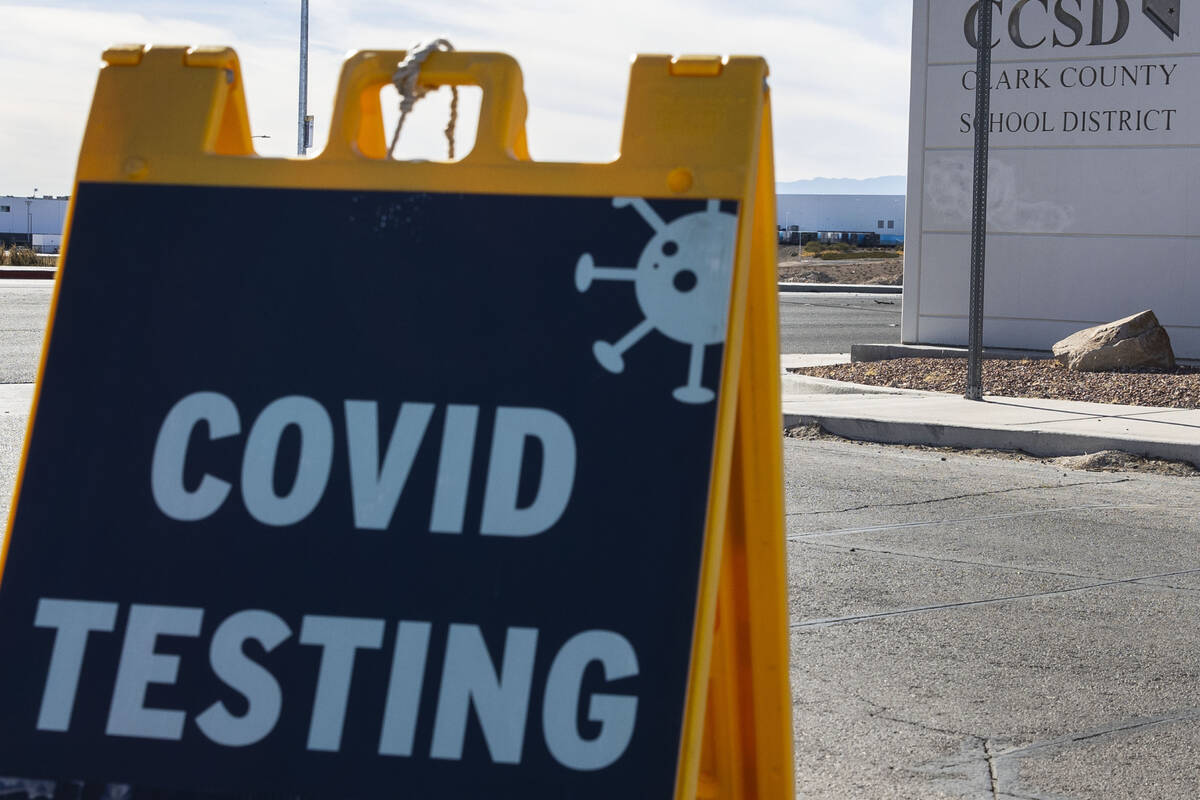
column 339, row 494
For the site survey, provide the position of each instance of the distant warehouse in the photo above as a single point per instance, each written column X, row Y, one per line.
column 35, row 222
column 863, row 219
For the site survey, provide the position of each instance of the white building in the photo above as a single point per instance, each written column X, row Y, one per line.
column 36, row 221
column 843, row 216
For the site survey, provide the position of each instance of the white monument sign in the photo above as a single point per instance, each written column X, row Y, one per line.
column 1094, row 175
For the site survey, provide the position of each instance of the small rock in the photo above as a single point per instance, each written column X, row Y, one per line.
column 1136, row 341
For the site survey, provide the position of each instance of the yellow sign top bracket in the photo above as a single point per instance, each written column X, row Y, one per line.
column 178, row 115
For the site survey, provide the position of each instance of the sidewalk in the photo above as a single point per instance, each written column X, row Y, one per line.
column 903, row 416
column 1038, row 427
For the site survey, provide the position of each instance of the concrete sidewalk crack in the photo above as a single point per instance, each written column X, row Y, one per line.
column 845, row 548
column 1005, row 765
column 959, row 497
column 823, row 623
column 1190, row 589
column 1072, row 739
column 993, row 777
column 1020, row 570
column 883, row 712
column 794, row 537
column 1109, row 730
column 925, row 727
column 878, row 711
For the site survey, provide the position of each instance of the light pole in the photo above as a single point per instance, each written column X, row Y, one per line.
column 29, row 219
column 303, row 124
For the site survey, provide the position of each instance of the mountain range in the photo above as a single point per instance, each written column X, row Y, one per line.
column 885, row 184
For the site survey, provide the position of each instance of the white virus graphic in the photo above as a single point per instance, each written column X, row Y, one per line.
column 682, row 282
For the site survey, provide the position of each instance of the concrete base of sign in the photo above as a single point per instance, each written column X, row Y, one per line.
column 883, row 352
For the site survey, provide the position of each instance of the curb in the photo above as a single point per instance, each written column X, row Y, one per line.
column 884, row 352
column 794, row 384
column 843, row 288
column 1038, row 443
column 1042, row 443
column 46, row 273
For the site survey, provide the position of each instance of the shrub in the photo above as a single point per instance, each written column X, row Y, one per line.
column 837, row 247
column 824, row 247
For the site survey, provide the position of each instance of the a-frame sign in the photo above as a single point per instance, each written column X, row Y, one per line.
column 357, row 477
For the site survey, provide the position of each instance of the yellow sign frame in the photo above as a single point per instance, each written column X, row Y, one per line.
column 696, row 127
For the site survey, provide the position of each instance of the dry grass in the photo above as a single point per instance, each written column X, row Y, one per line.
column 19, row 256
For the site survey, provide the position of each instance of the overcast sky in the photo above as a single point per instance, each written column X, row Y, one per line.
column 839, row 70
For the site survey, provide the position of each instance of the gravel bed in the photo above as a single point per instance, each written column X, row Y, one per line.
column 1037, row 378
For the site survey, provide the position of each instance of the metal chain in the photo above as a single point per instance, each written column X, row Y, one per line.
column 405, row 78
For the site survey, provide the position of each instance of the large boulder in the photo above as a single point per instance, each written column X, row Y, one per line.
column 1134, row 342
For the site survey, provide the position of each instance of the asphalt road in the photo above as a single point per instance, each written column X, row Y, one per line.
column 24, row 305
column 808, row 323
column 961, row 627
column 968, row 627
column 830, row 323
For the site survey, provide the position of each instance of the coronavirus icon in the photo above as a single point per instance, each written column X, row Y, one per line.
column 682, row 283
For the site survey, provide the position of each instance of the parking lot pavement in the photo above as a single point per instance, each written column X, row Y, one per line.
column 24, row 305
column 965, row 627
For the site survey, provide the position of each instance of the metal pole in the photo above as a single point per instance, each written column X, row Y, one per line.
column 301, row 143
column 983, row 81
